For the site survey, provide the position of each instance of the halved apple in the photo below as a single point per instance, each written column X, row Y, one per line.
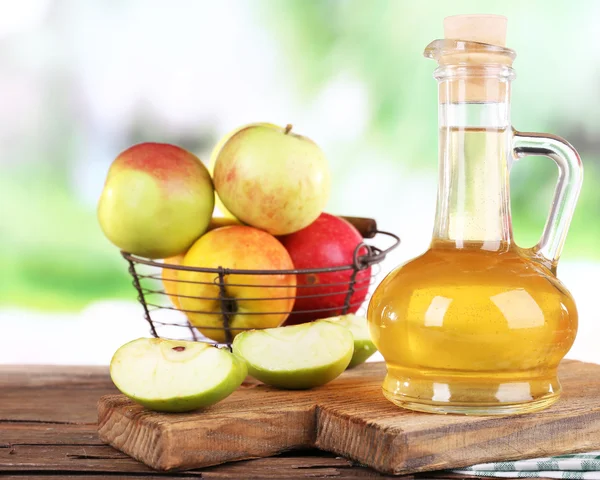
column 363, row 345
column 174, row 375
column 298, row 356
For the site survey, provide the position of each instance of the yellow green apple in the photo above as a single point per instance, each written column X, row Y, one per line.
column 271, row 178
column 298, row 356
column 253, row 301
column 174, row 375
column 363, row 345
column 157, row 200
column 222, row 209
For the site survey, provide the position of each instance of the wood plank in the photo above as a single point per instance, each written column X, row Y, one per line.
column 42, row 404
column 74, row 403
column 351, row 417
column 105, row 459
column 48, row 434
column 67, row 476
column 53, row 375
column 92, row 458
column 299, row 465
column 60, row 394
column 216, row 475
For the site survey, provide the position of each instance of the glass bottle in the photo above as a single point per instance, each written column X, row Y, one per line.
column 478, row 325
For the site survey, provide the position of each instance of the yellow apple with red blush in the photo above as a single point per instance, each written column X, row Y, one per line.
column 157, row 200
column 271, row 178
column 251, row 300
column 221, row 210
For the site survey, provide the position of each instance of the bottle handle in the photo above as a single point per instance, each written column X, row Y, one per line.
column 570, row 178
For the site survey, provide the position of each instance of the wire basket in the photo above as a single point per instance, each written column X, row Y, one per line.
column 170, row 321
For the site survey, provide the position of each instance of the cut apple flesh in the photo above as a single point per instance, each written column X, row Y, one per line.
column 298, row 356
column 363, row 345
column 175, row 376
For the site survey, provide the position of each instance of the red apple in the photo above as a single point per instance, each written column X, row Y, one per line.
column 328, row 242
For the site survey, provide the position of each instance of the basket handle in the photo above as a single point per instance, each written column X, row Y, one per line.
column 367, row 227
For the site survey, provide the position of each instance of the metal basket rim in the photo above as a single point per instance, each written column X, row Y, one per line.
column 373, row 256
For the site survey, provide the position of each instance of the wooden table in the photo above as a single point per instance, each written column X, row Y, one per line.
column 48, row 430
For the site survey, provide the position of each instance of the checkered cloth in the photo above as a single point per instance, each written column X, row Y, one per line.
column 585, row 466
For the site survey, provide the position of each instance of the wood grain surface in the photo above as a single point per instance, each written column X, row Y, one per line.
column 48, row 431
column 350, row 417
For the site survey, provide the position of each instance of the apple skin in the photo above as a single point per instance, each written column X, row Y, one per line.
column 302, row 378
column 237, row 247
column 271, row 178
column 170, row 278
column 330, row 241
column 170, row 275
column 222, row 209
column 363, row 349
column 145, row 351
column 363, row 345
column 157, row 200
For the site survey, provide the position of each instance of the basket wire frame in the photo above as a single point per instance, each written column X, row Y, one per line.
column 145, row 283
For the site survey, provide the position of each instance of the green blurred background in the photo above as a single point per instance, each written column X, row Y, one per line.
column 82, row 80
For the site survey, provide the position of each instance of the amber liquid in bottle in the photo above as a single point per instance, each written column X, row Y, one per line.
column 475, row 325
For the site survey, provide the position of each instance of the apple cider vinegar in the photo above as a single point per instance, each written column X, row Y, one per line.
column 474, row 315
column 473, row 322
column 477, row 325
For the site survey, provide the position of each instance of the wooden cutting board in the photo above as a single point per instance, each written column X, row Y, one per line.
column 350, row 417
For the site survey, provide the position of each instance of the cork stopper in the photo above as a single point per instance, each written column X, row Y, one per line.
column 476, row 43
column 490, row 29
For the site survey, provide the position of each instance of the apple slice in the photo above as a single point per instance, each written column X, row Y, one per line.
column 363, row 346
column 298, row 356
column 174, row 375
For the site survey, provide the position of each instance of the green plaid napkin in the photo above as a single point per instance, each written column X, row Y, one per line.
column 585, row 466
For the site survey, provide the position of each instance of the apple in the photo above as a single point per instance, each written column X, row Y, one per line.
column 174, row 375
column 271, row 178
column 157, row 200
column 330, row 241
column 254, row 301
column 220, row 209
column 363, row 345
column 170, row 278
column 298, row 356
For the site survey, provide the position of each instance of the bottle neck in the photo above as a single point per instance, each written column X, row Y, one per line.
column 473, row 206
